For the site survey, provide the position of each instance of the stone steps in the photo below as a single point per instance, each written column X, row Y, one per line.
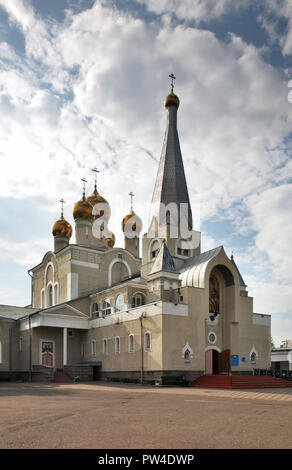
column 240, row 382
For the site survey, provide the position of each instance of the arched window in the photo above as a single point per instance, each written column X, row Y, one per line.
column 55, row 294
column 42, row 298
column 213, row 295
column 131, row 343
column 106, row 307
column 119, row 303
column 0, row 352
column 117, row 345
column 154, row 249
column 147, row 341
column 94, row 313
column 50, row 296
column 253, row 357
column 187, row 356
column 105, row 348
column 93, row 347
column 183, row 248
column 138, row 299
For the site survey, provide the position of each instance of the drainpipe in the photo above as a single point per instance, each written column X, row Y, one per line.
column 31, row 300
column 30, row 331
column 30, row 349
column 141, row 339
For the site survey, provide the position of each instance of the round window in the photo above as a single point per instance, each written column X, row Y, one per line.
column 212, row 338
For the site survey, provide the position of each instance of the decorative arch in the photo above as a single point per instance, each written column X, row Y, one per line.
column 110, row 268
column 46, row 270
column 185, row 349
column 213, row 347
column 253, row 354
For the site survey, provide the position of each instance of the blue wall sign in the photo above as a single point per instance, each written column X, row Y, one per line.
column 234, row 360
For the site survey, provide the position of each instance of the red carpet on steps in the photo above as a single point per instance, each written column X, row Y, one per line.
column 240, row 381
column 62, row 377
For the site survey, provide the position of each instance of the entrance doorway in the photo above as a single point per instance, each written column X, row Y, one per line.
column 217, row 363
column 47, row 353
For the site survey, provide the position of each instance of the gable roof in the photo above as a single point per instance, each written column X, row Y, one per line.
column 14, row 313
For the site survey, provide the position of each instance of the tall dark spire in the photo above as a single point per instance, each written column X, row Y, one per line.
column 170, row 185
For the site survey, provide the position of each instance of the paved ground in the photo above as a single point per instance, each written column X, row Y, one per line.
column 114, row 416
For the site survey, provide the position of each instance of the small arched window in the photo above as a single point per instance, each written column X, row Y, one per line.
column 117, row 345
column 154, row 250
column 55, row 294
column 94, row 313
column 183, row 248
column 105, row 348
column 187, row 356
column 119, row 303
column 0, row 352
column 253, row 357
column 147, row 341
column 50, row 296
column 106, row 307
column 137, row 300
column 93, row 347
column 131, row 343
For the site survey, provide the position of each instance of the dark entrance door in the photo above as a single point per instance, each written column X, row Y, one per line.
column 96, row 372
column 224, row 361
column 215, row 361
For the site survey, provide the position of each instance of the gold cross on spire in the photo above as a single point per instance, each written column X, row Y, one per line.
column 84, row 181
column 62, row 206
column 172, row 77
column 95, row 170
column 131, row 195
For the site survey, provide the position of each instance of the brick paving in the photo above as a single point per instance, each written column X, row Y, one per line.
column 118, row 416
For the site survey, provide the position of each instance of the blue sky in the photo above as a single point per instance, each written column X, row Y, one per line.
column 82, row 84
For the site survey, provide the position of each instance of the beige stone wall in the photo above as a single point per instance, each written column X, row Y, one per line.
column 125, row 360
column 179, row 330
column 5, row 344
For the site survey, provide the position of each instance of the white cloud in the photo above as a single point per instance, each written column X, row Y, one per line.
column 271, row 215
column 194, row 9
column 23, row 253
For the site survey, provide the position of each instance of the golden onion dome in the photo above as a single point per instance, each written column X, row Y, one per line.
column 111, row 240
column 95, row 198
column 171, row 100
column 82, row 209
column 128, row 217
column 61, row 228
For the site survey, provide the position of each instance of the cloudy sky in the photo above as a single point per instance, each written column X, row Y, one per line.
column 82, row 84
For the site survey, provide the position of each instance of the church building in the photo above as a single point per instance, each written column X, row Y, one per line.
column 103, row 312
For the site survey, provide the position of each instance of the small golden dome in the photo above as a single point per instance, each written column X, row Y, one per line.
column 111, row 240
column 61, row 228
column 95, row 198
column 171, row 100
column 128, row 217
column 82, row 209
